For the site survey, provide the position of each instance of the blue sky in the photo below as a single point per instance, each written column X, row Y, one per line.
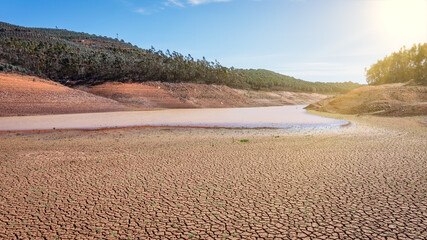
column 315, row 40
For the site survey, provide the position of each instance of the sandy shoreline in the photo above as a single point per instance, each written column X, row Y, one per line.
column 364, row 181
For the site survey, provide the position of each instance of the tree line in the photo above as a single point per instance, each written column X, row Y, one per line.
column 73, row 58
column 261, row 79
column 402, row 66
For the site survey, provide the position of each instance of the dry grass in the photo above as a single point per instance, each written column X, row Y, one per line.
column 387, row 100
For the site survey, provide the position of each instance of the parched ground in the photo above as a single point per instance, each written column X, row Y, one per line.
column 398, row 99
column 367, row 181
column 191, row 95
column 28, row 95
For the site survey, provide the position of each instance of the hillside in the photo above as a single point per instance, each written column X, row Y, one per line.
column 73, row 58
column 268, row 80
column 191, row 95
column 397, row 99
column 27, row 95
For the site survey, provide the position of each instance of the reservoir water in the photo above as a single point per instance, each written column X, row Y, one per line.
column 287, row 117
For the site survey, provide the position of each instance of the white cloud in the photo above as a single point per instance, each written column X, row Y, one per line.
column 141, row 11
column 172, row 3
column 198, row 2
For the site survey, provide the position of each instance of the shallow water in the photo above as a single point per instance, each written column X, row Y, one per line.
column 288, row 117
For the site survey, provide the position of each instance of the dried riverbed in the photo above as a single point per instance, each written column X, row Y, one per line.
column 367, row 181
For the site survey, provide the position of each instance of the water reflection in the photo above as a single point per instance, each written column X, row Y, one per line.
column 260, row 117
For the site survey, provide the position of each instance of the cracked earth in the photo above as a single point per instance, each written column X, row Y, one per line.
column 365, row 182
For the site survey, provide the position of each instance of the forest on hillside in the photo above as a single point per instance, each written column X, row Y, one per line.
column 402, row 66
column 261, row 79
column 73, row 58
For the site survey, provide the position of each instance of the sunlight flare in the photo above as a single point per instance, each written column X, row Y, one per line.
column 403, row 21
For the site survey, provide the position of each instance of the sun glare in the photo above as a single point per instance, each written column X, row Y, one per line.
column 403, row 21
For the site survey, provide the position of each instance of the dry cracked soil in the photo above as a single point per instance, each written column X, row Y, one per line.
column 367, row 181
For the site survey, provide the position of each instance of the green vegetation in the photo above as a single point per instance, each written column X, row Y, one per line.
column 73, row 58
column 267, row 80
column 402, row 66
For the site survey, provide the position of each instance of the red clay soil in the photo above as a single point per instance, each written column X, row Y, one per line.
column 28, row 95
column 191, row 95
column 387, row 100
column 138, row 95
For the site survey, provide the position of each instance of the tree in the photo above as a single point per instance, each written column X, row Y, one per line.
column 402, row 66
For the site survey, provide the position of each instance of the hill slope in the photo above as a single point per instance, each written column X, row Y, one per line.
column 73, row 58
column 397, row 99
column 268, row 80
column 27, row 95
column 190, row 95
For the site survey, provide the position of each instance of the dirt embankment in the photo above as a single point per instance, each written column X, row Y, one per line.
column 191, row 95
column 28, row 95
column 387, row 100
